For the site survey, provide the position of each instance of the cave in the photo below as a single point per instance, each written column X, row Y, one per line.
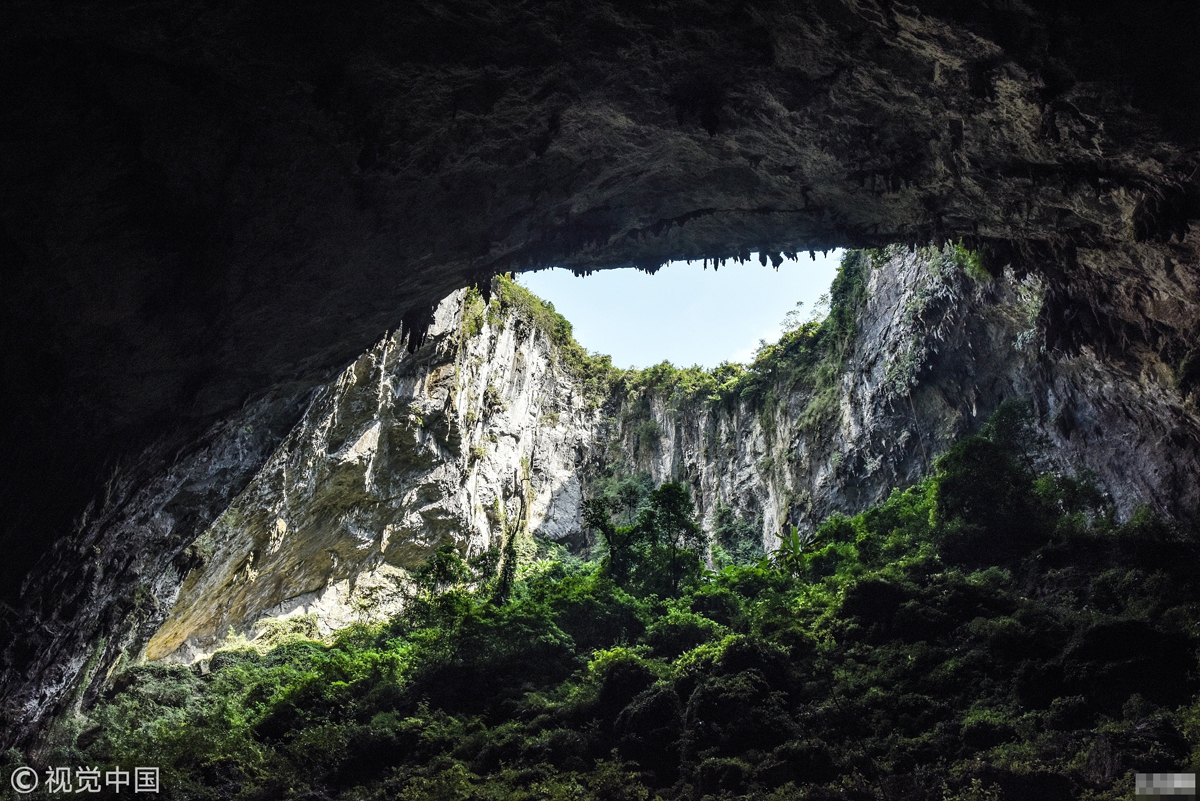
column 210, row 211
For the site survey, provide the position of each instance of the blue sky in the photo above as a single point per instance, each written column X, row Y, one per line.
column 684, row 313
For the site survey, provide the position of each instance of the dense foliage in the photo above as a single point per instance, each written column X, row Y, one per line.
column 657, row 553
column 989, row 633
column 735, row 540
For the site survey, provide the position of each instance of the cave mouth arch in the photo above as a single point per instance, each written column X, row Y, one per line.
column 194, row 222
column 214, row 219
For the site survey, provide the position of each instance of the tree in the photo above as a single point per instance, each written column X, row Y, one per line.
column 657, row 551
column 670, row 522
column 985, row 506
column 621, row 541
column 630, row 495
column 736, row 539
column 444, row 569
column 509, row 529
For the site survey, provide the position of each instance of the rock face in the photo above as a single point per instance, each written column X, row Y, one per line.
column 936, row 352
column 402, row 453
column 405, row 452
column 205, row 203
column 107, row 588
column 210, row 209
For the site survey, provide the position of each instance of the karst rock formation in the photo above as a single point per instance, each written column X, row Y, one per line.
column 486, row 433
column 209, row 210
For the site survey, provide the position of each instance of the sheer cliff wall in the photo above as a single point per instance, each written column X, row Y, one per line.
column 935, row 352
column 485, row 424
column 473, row 435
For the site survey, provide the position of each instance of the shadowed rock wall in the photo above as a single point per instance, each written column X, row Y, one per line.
column 936, row 351
column 205, row 201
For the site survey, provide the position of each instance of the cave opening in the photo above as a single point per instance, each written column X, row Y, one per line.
column 983, row 462
column 498, row 543
column 909, row 351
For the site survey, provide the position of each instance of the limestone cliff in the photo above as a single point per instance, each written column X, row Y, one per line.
column 483, row 424
column 403, row 452
column 935, row 352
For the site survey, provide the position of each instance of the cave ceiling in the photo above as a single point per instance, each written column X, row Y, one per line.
column 204, row 201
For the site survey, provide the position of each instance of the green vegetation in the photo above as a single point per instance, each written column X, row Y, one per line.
column 735, row 540
column 659, row 552
column 625, row 495
column 970, row 262
column 809, row 353
column 513, row 303
column 988, row 633
column 956, row 255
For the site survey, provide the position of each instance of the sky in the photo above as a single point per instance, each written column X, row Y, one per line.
column 684, row 313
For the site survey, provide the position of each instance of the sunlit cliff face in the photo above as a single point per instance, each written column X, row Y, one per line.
column 500, row 425
column 213, row 216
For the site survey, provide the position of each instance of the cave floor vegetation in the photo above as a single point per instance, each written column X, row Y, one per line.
column 990, row 633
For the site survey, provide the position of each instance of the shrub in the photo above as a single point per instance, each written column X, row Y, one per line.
column 678, row 631
column 739, row 538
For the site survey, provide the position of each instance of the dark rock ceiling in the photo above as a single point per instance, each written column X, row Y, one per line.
column 205, row 201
